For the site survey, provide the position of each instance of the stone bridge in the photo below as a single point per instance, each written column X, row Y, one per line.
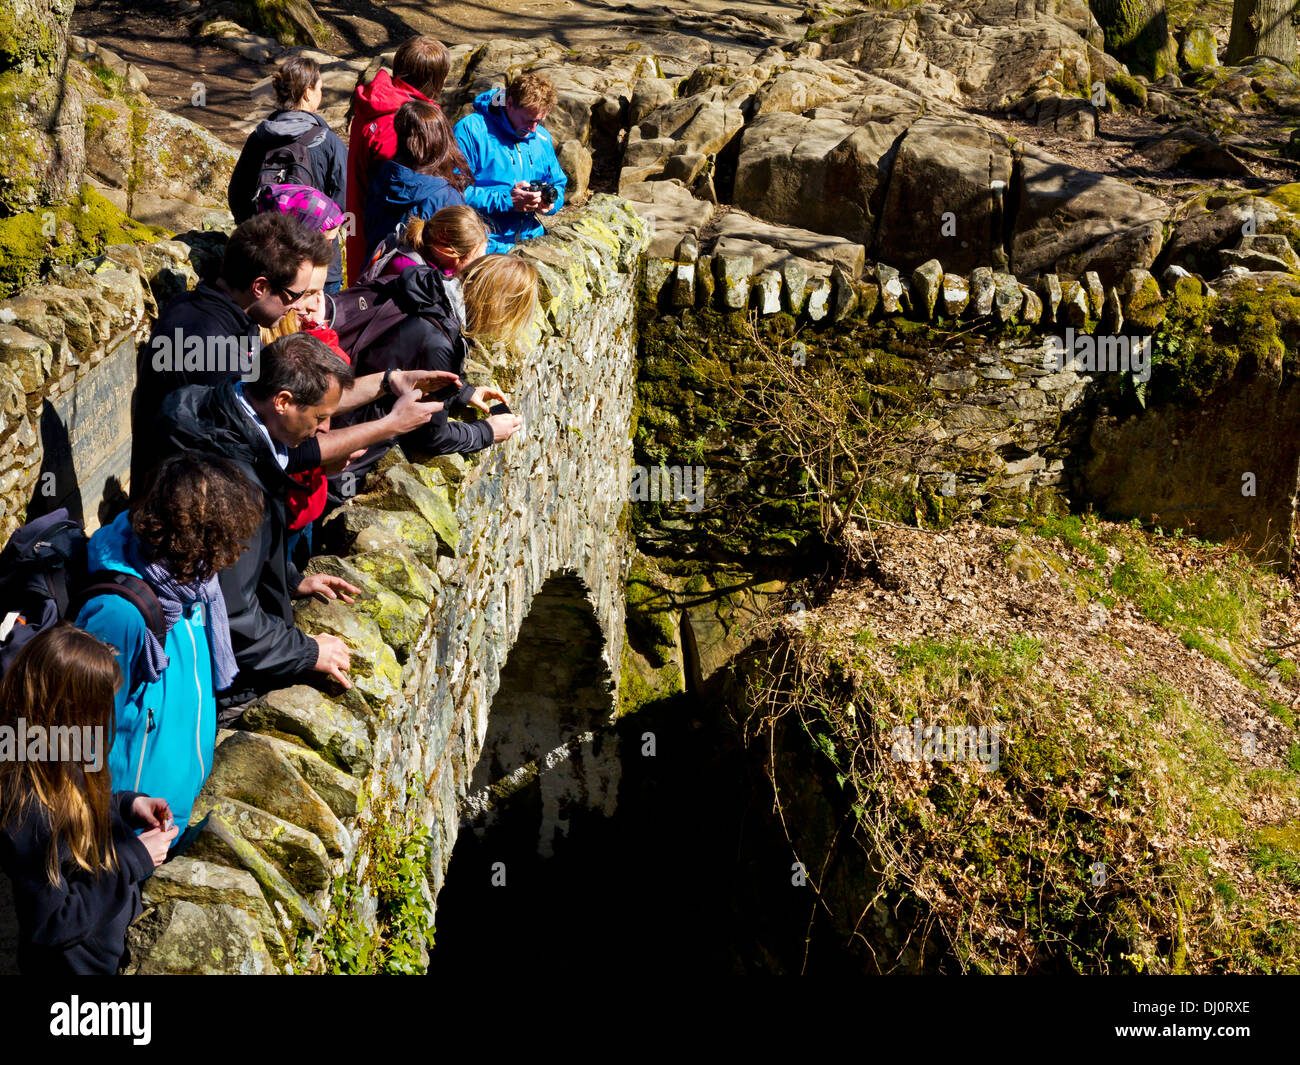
column 495, row 583
column 489, row 641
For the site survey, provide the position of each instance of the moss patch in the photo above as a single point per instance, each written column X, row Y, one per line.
column 1202, row 341
column 36, row 240
column 289, row 22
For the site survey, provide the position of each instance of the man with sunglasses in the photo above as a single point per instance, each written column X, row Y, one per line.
column 210, row 334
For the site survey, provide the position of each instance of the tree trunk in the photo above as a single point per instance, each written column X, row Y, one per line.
column 1262, row 27
column 1137, row 34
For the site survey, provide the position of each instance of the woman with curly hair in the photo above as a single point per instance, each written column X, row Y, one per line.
column 189, row 524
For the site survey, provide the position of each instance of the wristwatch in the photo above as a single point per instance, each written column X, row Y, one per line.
column 387, row 386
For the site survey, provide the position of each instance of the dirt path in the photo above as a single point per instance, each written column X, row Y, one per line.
column 149, row 35
column 155, row 38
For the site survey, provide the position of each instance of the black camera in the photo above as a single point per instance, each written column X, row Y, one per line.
column 548, row 191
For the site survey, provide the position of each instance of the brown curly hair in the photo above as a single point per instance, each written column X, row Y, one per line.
column 195, row 515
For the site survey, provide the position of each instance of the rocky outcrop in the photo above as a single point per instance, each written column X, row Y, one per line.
column 159, row 168
column 947, row 196
column 865, row 131
column 1071, row 221
column 40, row 114
column 983, row 55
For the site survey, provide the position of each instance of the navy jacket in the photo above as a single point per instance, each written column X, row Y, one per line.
column 329, row 159
column 399, row 191
column 192, row 319
column 271, row 650
column 80, row 926
column 203, row 313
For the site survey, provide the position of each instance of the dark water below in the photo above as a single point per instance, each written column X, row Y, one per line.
column 689, row 874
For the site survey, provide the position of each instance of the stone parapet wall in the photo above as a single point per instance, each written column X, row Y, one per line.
column 67, row 369
column 306, row 796
column 310, row 795
column 773, row 281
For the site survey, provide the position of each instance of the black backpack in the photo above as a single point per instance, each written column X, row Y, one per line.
column 364, row 313
column 290, row 163
column 286, row 163
column 43, row 579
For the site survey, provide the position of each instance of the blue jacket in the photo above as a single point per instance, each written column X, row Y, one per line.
column 165, row 731
column 500, row 158
column 398, row 191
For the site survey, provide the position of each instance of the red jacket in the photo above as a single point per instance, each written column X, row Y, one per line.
column 304, row 505
column 372, row 140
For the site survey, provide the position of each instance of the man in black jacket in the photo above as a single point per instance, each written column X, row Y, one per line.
column 257, row 424
column 210, row 334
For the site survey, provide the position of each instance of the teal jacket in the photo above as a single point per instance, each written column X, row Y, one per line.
column 500, row 157
column 166, row 730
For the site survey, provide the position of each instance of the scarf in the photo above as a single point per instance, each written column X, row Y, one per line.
column 172, row 597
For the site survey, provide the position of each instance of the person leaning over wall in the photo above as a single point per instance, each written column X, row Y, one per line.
column 500, row 300
column 420, row 68
column 66, row 839
column 183, row 530
column 306, row 502
column 210, row 334
column 427, row 173
column 508, row 151
column 293, row 131
column 255, row 424
column 449, row 241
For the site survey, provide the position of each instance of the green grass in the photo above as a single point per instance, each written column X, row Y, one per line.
column 1276, row 853
column 1071, row 531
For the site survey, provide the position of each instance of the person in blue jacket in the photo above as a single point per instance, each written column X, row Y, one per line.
column 427, row 173
column 190, row 523
column 507, row 149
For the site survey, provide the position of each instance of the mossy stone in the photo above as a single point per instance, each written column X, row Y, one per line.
column 1142, row 300
column 208, row 884
column 375, row 671
column 220, row 842
column 249, row 768
column 315, row 718
column 36, row 240
column 180, row 937
column 1127, row 89
column 400, row 623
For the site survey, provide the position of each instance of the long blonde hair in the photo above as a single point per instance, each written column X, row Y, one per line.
column 67, row 678
column 500, row 298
